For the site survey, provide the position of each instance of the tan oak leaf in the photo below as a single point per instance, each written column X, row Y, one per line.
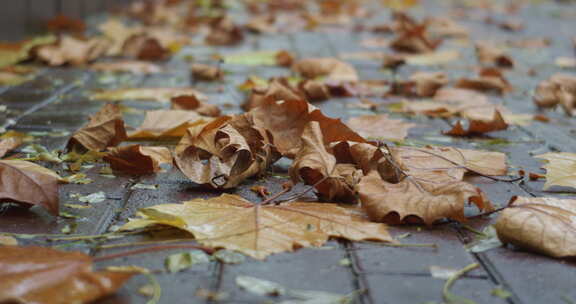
column 138, row 160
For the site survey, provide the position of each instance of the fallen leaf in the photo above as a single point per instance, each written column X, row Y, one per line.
column 541, row 224
column 165, row 124
column 276, row 89
column 490, row 55
column 379, row 127
column 315, row 165
column 138, row 160
column 415, row 200
column 560, row 169
column 150, row 94
column 260, row 230
column 192, row 103
column 9, row 144
column 488, row 80
column 105, row 129
column 260, row 287
column 476, row 127
column 261, row 24
column 224, row 152
column 223, row 31
column 281, row 58
column 411, row 36
column 314, row 90
column 144, row 47
column 44, row 275
column 71, row 50
column 286, row 120
column 420, row 84
column 205, row 72
column 559, row 89
column 565, row 62
column 181, row 261
column 432, row 58
column 6, row 240
column 14, row 52
column 134, row 67
column 331, row 68
column 29, row 184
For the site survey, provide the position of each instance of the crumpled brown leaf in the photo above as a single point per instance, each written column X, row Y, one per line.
column 105, row 129
column 260, row 230
column 144, row 47
column 165, row 124
column 206, row 72
column 130, row 66
column 29, row 184
column 490, row 55
column 559, row 89
column 541, row 224
column 379, row 127
column 277, row 89
column 138, row 160
column 331, row 68
column 192, row 103
column 224, row 152
column 150, row 94
column 48, row 276
column 315, row 165
column 420, row 84
column 70, row 50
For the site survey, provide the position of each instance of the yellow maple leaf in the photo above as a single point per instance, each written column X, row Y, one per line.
column 231, row 222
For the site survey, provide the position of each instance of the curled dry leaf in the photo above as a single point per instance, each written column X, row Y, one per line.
column 29, row 184
column 420, row 84
column 331, row 68
column 315, row 165
column 70, row 50
column 260, row 230
column 476, row 127
column 541, row 224
column 129, row 66
column 44, row 275
column 105, row 129
column 277, row 89
column 138, row 160
column 206, row 72
column 314, row 90
column 286, row 120
column 490, row 55
column 380, row 127
column 9, row 144
column 224, row 152
column 560, row 169
column 415, row 200
column 192, row 103
column 163, row 124
column 144, row 47
column 560, row 89
column 147, row 94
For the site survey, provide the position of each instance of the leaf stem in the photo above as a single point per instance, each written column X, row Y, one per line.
column 447, row 295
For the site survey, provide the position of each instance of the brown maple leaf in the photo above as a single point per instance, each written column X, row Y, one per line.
column 224, row 152
column 411, row 36
column 260, row 230
column 105, row 129
column 476, row 127
column 138, row 160
column 415, row 200
column 44, row 275
column 541, row 224
column 29, row 184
